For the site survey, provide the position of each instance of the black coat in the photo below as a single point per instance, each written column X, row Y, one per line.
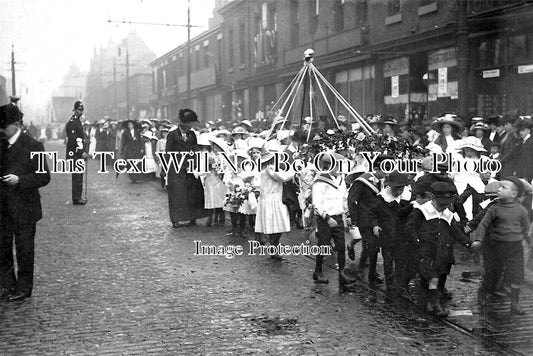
column 435, row 239
column 131, row 146
column 22, row 201
column 101, row 140
column 390, row 217
column 361, row 198
column 185, row 191
column 507, row 150
column 524, row 159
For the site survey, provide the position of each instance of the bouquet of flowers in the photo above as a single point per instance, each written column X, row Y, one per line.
column 350, row 143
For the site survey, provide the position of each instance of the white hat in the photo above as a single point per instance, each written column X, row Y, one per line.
column 241, row 144
column 255, row 142
column 471, row 142
column 283, row 134
column 203, row 139
column 223, row 145
column 247, row 123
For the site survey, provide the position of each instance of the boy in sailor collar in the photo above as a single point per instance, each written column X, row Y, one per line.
column 386, row 216
column 328, row 194
column 435, row 231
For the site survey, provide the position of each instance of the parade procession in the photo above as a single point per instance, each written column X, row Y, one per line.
column 325, row 177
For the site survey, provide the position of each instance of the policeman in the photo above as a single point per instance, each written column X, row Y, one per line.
column 76, row 150
column 20, row 204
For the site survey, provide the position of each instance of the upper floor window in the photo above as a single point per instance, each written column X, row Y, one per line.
column 314, row 11
column 231, row 49
column 293, row 15
column 361, row 12
column 242, row 42
column 206, row 56
column 339, row 15
column 394, row 7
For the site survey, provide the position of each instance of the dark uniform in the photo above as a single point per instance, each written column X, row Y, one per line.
column 20, row 206
column 75, row 150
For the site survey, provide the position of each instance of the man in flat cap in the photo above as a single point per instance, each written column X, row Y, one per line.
column 76, row 150
column 20, row 204
column 185, row 191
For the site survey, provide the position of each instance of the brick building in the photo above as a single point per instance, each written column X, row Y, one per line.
column 412, row 58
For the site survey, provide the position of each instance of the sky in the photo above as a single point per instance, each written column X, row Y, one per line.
column 50, row 35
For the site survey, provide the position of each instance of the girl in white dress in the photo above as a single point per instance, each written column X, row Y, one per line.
column 272, row 217
column 214, row 188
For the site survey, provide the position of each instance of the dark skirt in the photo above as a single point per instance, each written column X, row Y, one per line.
column 185, row 198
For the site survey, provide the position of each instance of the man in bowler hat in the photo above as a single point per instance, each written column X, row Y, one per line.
column 76, row 150
column 20, row 204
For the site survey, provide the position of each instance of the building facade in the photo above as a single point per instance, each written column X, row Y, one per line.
column 407, row 58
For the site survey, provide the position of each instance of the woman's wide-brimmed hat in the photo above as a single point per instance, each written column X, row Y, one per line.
column 203, row 139
column 255, row 142
column 471, row 142
column 220, row 143
column 269, row 148
column 240, row 131
column 125, row 123
column 449, row 119
column 221, row 132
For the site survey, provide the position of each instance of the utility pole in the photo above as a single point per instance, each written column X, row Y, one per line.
column 13, row 82
column 462, row 56
column 189, row 53
column 127, row 82
column 115, row 88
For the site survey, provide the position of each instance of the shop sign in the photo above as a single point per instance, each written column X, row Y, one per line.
column 398, row 66
column 442, row 58
column 525, row 69
column 443, row 82
column 395, row 86
column 493, row 73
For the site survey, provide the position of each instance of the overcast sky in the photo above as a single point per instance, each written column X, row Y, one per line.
column 49, row 35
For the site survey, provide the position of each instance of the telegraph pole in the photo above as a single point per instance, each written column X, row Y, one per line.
column 127, row 82
column 188, row 53
column 115, row 88
column 13, row 82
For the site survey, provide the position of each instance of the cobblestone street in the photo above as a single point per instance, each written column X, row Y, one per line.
column 113, row 278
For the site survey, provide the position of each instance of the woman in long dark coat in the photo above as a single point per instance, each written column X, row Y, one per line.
column 131, row 147
column 185, row 191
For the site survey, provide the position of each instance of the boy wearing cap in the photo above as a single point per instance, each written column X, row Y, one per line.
column 387, row 223
column 433, row 228
column 502, row 230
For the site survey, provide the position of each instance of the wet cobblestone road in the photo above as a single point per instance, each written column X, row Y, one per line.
column 113, row 278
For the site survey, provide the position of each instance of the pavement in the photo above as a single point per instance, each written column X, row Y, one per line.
column 113, row 278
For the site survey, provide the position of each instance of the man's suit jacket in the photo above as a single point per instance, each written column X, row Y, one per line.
column 22, row 201
column 524, row 160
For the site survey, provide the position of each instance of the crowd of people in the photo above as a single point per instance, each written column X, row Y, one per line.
column 413, row 220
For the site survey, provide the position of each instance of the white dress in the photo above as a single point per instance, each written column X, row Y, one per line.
column 272, row 215
column 214, row 188
column 151, row 166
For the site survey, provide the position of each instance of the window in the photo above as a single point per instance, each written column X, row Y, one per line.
column 339, row 15
column 394, row 7
column 361, row 11
column 294, row 22
column 206, row 56
column 231, row 49
column 483, row 54
column 272, row 18
column 498, row 51
column 314, row 8
column 197, row 59
column 518, row 48
column 242, row 42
